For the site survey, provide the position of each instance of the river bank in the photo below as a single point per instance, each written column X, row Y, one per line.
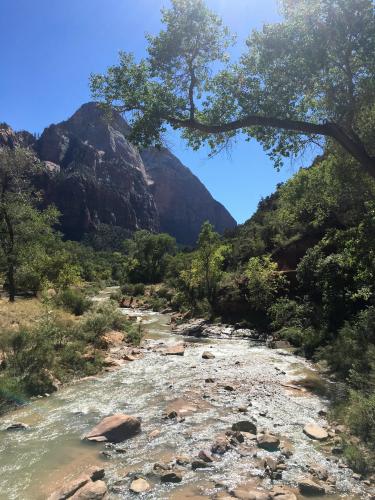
column 203, row 397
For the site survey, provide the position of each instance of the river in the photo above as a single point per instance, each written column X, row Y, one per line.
column 35, row 461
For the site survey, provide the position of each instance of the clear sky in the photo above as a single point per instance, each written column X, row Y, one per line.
column 50, row 47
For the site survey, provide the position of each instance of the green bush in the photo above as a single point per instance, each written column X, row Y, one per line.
column 72, row 362
column 157, row 303
column 164, row 293
column 308, row 340
column 73, row 301
column 104, row 318
column 356, row 458
column 11, row 391
column 135, row 289
column 361, row 416
column 285, row 312
column 292, row 334
column 135, row 334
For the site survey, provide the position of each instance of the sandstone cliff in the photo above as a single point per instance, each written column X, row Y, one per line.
column 94, row 175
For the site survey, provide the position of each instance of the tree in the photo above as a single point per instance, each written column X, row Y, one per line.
column 206, row 271
column 264, row 282
column 23, row 228
column 148, row 255
column 301, row 80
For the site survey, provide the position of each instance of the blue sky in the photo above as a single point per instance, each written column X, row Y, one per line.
column 50, row 47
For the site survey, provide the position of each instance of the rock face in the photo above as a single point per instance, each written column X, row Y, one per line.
column 94, row 176
column 98, row 176
column 182, row 200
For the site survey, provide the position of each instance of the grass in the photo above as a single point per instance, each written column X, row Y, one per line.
column 22, row 312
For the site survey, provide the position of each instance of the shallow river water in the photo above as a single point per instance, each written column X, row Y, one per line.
column 35, row 461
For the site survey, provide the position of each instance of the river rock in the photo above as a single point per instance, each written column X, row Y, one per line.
column 175, row 350
column 139, row 486
column 208, row 355
column 319, row 472
column 229, row 387
column 250, row 494
column 205, row 456
column 91, row 491
column 191, row 328
column 221, row 445
column 70, row 488
column 171, row 477
column 154, row 434
column 313, row 431
column 199, row 464
column 309, row 487
column 268, row 442
column 245, row 426
column 115, row 429
column 183, row 460
column 112, row 338
column 283, row 493
column 17, row 426
column 95, row 472
column 129, row 357
column 235, row 437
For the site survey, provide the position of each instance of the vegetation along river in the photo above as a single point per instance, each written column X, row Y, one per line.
column 244, row 381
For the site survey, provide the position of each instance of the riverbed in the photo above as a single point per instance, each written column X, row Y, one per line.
column 35, row 461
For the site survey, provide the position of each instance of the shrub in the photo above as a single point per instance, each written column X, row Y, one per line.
column 11, row 392
column 164, row 293
column 285, row 312
column 133, row 289
column 71, row 361
column 356, row 458
column 116, row 296
column 361, row 416
column 308, row 340
column 157, row 303
column 135, row 334
column 73, row 301
column 104, row 318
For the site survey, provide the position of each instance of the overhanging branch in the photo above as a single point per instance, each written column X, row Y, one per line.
column 328, row 129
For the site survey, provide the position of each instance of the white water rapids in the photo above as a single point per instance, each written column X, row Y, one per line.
column 35, row 461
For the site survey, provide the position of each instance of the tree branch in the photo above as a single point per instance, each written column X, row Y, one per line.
column 328, row 129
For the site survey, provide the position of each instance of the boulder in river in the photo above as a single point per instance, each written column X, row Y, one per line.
column 17, row 426
column 199, row 464
column 221, row 445
column 71, row 487
column 115, row 429
column 309, row 487
column 175, row 350
column 140, row 485
column 314, row 431
column 208, row 355
column 91, row 491
column 205, row 456
column 245, row 426
column 171, row 477
column 250, row 494
column 283, row 493
column 268, row 442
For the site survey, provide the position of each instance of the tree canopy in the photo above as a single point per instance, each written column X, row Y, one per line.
column 308, row 77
